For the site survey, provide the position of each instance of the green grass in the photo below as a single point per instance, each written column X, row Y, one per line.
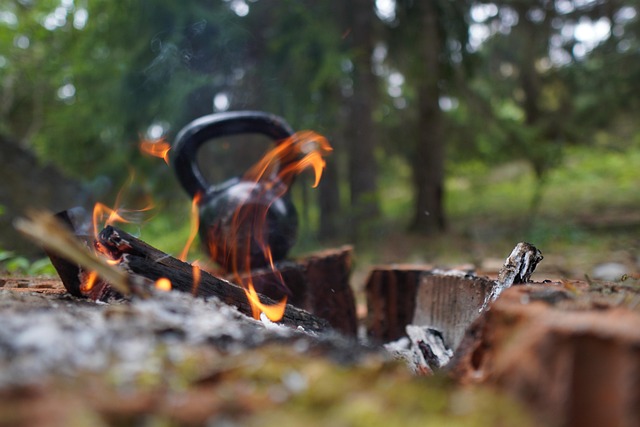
column 588, row 213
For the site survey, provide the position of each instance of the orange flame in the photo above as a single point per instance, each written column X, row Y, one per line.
column 100, row 211
column 103, row 216
column 275, row 171
column 163, row 284
column 273, row 312
column 195, row 223
column 300, row 151
column 196, row 277
column 157, row 148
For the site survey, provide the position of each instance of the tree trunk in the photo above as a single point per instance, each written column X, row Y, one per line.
column 428, row 161
column 360, row 130
column 27, row 184
column 329, row 202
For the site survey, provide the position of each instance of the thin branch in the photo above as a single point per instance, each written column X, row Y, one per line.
column 46, row 230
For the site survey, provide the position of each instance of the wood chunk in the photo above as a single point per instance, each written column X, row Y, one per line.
column 329, row 294
column 517, row 269
column 575, row 359
column 391, row 299
column 450, row 304
column 398, row 296
column 446, row 300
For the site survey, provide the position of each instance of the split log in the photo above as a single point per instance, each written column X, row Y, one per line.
column 142, row 259
column 413, row 295
column 571, row 353
column 448, row 301
column 391, row 300
column 450, row 304
column 329, row 294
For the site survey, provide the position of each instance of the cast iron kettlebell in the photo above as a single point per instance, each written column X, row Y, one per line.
column 230, row 212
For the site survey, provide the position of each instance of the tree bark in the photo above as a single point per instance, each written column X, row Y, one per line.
column 329, row 202
column 28, row 184
column 360, row 132
column 428, row 161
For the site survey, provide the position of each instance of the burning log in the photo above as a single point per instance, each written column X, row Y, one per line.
column 142, row 259
column 139, row 265
column 57, row 240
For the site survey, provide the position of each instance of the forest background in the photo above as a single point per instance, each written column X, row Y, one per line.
column 459, row 127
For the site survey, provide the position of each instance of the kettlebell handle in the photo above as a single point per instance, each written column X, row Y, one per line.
column 189, row 140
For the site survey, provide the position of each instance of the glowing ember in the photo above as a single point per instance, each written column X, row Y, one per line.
column 196, row 277
column 163, row 284
column 88, row 284
column 157, row 148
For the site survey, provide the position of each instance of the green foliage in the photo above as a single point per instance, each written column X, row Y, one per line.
column 82, row 82
column 15, row 264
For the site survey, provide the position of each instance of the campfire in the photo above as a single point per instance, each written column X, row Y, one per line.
column 433, row 320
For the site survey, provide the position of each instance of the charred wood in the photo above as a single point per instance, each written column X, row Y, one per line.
column 142, row 259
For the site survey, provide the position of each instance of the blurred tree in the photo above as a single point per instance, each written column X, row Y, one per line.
column 360, row 127
column 82, row 81
column 529, row 96
column 427, row 44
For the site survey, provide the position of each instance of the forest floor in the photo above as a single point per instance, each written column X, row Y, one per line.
column 588, row 216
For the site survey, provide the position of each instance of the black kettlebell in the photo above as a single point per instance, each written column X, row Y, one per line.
column 238, row 218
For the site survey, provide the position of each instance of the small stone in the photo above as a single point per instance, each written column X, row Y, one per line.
column 609, row 271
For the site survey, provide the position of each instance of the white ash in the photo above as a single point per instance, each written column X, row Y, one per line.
column 45, row 335
column 423, row 349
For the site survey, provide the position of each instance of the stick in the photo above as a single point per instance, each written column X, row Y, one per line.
column 44, row 229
